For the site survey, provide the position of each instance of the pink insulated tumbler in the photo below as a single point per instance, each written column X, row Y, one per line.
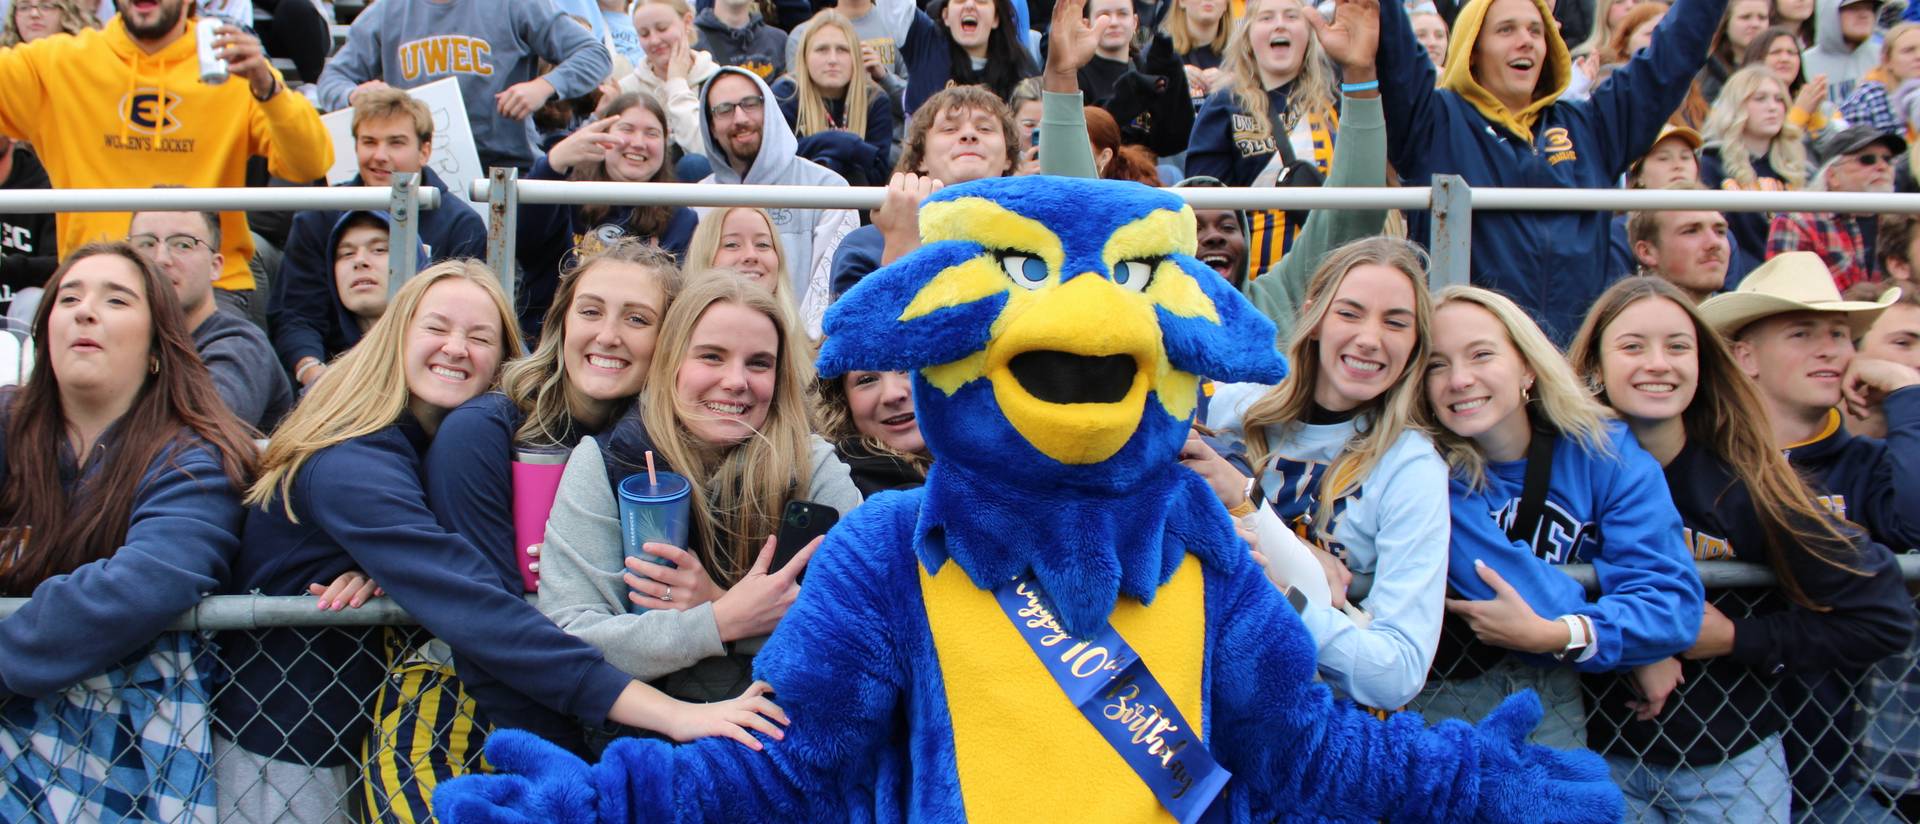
column 536, row 479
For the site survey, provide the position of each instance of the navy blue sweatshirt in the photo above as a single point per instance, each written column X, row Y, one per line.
column 1728, row 704
column 184, row 533
column 1225, row 143
column 547, row 233
column 856, row 257
column 299, row 692
column 1869, row 481
column 758, row 47
column 871, row 165
column 928, row 52
column 300, row 306
column 1551, row 263
column 469, row 481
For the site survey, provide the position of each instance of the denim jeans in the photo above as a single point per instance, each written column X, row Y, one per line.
column 1564, row 725
column 1749, row 788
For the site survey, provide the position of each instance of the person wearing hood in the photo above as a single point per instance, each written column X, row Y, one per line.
column 133, row 113
column 1845, row 46
column 355, row 293
column 736, row 36
column 1496, row 119
column 492, row 47
column 392, row 132
column 673, row 68
column 747, row 144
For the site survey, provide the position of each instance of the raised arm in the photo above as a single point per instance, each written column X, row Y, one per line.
column 1416, row 111
column 1632, row 104
column 1064, row 147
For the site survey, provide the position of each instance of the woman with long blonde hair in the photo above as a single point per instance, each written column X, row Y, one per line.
column 1542, row 475
column 1752, row 145
column 828, row 91
column 741, row 238
column 1274, row 121
column 725, row 406
column 340, row 489
column 1342, row 461
column 1712, row 748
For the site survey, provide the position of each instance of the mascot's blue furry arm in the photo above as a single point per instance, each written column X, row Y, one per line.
column 1054, row 328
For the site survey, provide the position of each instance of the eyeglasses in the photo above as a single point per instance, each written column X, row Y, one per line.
column 43, row 8
column 1874, row 159
column 749, row 104
column 177, row 244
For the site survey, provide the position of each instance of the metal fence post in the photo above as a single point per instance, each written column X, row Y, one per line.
column 405, row 234
column 1452, row 229
column 503, row 219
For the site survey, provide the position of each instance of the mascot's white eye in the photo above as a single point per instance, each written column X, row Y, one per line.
column 1134, row 274
column 1030, row 272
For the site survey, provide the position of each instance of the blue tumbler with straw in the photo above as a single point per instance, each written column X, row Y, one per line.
column 653, row 509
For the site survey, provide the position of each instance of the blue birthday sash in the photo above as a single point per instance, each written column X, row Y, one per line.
column 1105, row 678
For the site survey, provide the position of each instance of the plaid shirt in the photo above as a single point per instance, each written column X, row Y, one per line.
column 133, row 744
column 1837, row 239
column 1869, row 106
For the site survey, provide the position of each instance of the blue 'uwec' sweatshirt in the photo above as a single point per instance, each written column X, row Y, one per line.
column 1551, row 263
column 300, row 691
column 184, row 533
column 1609, row 510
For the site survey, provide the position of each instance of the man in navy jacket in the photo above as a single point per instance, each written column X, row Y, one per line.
column 392, row 132
column 1496, row 120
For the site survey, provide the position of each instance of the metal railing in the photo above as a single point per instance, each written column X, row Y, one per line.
column 420, row 726
column 403, row 200
column 1449, row 201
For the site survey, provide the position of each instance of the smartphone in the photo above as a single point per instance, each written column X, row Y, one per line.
column 1036, row 139
column 802, row 522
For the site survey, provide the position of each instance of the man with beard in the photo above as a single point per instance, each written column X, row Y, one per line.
column 747, row 146
column 1858, row 159
column 133, row 113
column 1687, row 249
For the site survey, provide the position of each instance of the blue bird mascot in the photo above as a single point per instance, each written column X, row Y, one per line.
column 1062, row 624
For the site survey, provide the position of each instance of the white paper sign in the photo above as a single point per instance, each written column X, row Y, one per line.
column 455, row 158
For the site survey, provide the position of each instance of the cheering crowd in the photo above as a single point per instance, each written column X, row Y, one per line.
column 240, row 403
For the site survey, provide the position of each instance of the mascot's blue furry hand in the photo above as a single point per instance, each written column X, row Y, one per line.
column 538, row 783
column 1527, row 782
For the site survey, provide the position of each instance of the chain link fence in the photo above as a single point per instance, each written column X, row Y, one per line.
column 154, row 739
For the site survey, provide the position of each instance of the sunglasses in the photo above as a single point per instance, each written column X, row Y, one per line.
column 1874, row 158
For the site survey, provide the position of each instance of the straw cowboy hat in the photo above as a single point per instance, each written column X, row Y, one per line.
column 1792, row 282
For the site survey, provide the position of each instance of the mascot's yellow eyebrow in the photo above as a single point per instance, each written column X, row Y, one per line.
column 1159, row 234
column 992, row 225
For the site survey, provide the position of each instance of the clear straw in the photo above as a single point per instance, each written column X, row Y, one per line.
column 651, row 480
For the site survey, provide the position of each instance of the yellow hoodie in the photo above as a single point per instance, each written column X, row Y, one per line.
column 103, row 114
column 1555, row 73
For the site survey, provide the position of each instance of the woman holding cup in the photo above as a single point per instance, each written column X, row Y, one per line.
column 724, row 409
column 511, row 444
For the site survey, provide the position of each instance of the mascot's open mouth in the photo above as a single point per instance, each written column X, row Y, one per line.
column 1062, row 377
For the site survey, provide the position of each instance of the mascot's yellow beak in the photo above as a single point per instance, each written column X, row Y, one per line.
column 1073, row 371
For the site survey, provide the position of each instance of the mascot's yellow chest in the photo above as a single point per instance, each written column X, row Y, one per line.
column 1023, row 751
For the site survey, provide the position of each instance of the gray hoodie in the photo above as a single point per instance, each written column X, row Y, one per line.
column 1831, row 56
column 809, row 235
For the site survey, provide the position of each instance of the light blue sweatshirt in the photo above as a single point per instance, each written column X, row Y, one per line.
column 1394, row 527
